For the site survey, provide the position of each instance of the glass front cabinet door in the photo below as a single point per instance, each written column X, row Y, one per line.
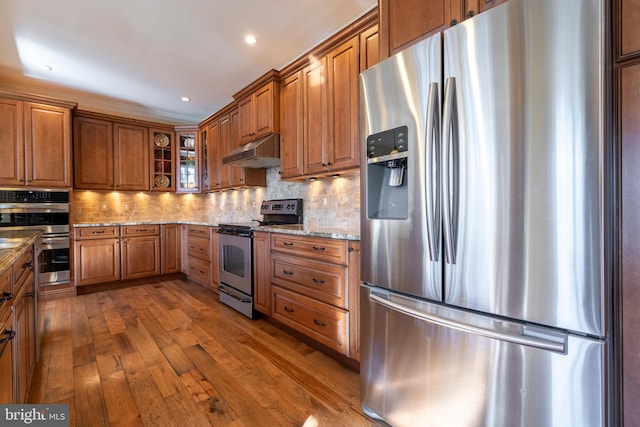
column 188, row 163
column 163, row 166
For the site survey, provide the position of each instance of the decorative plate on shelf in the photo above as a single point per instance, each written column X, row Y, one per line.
column 161, row 140
column 161, row 181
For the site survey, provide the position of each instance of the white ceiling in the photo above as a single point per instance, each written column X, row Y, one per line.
column 137, row 58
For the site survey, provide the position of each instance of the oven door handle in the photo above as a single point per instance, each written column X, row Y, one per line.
column 232, row 295
column 49, row 243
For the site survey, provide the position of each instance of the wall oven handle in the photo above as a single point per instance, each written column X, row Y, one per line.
column 232, row 295
column 531, row 341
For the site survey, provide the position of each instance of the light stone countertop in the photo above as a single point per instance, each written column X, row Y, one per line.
column 333, row 232
column 24, row 240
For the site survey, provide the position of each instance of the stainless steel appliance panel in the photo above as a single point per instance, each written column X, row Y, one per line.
column 395, row 93
column 524, row 168
column 465, row 369
column 236, row 262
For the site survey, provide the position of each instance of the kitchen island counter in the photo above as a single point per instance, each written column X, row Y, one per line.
column 16, row 242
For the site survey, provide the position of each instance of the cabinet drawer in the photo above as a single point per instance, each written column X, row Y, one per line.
column 140, row 230
column 6, row 289
column 324, row 323
column 199, row 247
column 21, row 268
column 97, row 232
column 199, row 271
column 320, row 248
column 199, row 231
column 322, row 281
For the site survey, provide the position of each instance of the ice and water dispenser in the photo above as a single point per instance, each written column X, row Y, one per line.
column 387, row 187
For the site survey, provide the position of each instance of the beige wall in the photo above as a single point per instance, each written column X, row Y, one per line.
column 327, row 202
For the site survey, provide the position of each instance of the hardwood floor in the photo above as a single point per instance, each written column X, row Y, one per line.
column 169, row 354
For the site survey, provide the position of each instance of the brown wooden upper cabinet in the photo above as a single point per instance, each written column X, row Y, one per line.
column 405, row 22
column 110, row 155
column 35, row 141
column 187, row 175
column 258, row 114
column 330, row 99
column 628, row 31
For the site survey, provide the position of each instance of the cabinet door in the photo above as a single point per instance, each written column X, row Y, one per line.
column 315, row 119
column 237, row 174
column 404, row 22
column 163, row 176
column 214, row 259
column 11, row 142
column 171, row 248
column 262, row 273
column 215, row 159
column 205, row 160
column 92, row 154
column 342, row 79
column 187, row 174
column 266, row 110
column 628, row 20
column 291, row 126
column 48, row 145
column 22, row 353
column 354, row 300
column 246, row 131
column 369, row 48
column 224, row 147
column 96, row 261
column 140, row 257
column 8, row 347
column 628, row 93
column 131, row 157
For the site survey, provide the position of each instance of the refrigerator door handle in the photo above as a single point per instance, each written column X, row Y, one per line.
column 450, row 168
column 556, row 343
column 432, row 185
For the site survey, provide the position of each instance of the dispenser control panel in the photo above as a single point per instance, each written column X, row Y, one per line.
column 391, row 141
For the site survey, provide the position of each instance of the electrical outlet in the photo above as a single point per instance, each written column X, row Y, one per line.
column 358, row 201
column 125, row 207
column 104, row 207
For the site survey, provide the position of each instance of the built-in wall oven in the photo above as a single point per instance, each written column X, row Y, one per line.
column 235, row 248
column 47, row 210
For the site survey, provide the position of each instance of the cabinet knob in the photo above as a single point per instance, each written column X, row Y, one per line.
column 470, row 14
column 453, row 22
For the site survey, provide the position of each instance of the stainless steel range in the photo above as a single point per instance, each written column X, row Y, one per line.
column 235, row 245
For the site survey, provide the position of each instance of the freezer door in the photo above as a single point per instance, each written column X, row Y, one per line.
column 399, row 215
column 524, row 162
column 430, row 365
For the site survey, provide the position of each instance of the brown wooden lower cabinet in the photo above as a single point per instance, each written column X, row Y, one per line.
column 171, row 253
column 313, row 284
column 199, row 250
column 7, row 350
column 111, row 253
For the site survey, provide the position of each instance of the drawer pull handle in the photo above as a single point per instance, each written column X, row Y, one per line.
column 10, row 335
column 287, row 273
column 27, row 264
column 98, row 232
column 6, row 296
column 318, row 248
column 140, row 230
column 319, row 323
column 288, row 310
column 287, row 243
column 318, row 281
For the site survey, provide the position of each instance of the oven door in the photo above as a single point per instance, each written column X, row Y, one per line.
column 235, row 263
column 53, row 261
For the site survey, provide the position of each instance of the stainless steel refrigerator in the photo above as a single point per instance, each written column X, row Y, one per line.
column 486, row 223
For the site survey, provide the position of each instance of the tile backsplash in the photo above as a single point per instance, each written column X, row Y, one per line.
column 327, row 202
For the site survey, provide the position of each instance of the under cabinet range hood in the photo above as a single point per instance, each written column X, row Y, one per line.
column 262, row 153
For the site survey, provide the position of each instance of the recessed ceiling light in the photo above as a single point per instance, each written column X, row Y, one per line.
column 45, row 67
column 250, row 39
column 185, row 99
